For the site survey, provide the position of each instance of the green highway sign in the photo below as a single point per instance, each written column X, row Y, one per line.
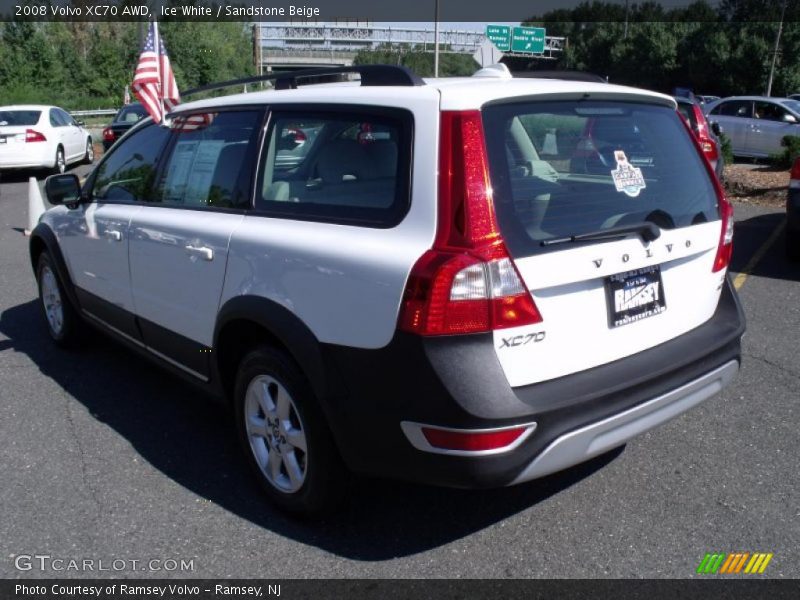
column 500, row 36
column 528, row 39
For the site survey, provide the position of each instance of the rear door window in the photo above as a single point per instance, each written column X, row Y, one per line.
column 568, row 168
column 65, row 117
column 210, row 164
column 55, row 119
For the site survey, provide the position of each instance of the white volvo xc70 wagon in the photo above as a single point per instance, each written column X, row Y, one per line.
column 466, row 282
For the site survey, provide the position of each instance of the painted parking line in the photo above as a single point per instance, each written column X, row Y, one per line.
column 756, row 258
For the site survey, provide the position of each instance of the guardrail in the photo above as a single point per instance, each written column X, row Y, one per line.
column 99, row 112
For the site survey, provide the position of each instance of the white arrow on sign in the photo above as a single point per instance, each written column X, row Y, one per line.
column 487, row 54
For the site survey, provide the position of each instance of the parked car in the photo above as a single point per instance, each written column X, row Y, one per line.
column 706, row 99
column 756, row 124
column 793, row 214
column 703, row 131
column 34, row 137
column 435, row 292
column 794, row 96
column 126, row 117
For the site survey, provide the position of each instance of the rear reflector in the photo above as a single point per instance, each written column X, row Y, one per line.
column 466, row 442
column 32, row 135
column 466, row 283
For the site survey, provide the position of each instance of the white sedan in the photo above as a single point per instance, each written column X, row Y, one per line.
column 35, row 136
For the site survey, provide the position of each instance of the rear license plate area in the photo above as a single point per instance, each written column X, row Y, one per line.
column 634, row 295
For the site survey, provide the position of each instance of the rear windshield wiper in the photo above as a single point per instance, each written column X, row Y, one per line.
column 648, row 231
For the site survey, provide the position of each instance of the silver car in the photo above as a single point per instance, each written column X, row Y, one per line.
column 756, row 124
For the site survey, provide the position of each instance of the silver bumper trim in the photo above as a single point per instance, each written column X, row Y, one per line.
column 589, row 441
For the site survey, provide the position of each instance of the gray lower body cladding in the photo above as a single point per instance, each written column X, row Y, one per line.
column 457, row 382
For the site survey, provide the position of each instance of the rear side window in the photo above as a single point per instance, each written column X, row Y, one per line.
column 210, row 162
column 344, row 167
column 19, row 117
column 567, row 168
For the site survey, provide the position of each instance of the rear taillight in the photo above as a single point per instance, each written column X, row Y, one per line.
column 794, row 177
column 467, row 283
column 298, row 134
column 108, row 134
column 707, row 145
column 725, row 248
column 32, row 135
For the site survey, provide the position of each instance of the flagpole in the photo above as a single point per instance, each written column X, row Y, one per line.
column 157, row 41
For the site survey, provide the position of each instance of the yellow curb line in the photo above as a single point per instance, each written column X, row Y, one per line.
column 748, row 268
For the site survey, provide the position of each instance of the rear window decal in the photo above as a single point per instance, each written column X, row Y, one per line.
column 627, row 178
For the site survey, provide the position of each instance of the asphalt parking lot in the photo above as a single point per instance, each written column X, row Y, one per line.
column 103, row 456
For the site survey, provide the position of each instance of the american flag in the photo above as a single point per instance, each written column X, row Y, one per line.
column 154, row 82
column 194, row 122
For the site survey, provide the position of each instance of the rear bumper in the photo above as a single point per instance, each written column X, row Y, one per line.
column 599, row 437
column 24, row 157
column 457, row 382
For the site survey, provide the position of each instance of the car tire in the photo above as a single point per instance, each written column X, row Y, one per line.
column 89, row 156
column 285, row 437
column 63, row 323
column 60, row 164
column 793, row 245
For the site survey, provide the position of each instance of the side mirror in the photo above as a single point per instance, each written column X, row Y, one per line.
column 716, row 128
column 63, row 189
column 787, row 118
column 80, row 123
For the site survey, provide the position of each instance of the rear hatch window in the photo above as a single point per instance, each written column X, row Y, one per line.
column 561, row 169
column 130, row 114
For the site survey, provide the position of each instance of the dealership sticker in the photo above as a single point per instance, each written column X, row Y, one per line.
column 627, row 178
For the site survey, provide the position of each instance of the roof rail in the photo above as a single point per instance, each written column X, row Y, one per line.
column 371, row 75
column 566, row 75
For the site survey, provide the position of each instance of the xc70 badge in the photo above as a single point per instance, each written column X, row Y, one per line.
column 521, row 340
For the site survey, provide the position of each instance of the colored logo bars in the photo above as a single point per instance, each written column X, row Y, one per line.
column 734, row 562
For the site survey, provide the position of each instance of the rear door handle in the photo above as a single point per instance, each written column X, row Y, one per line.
column 113, row 234
column 202, row 251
